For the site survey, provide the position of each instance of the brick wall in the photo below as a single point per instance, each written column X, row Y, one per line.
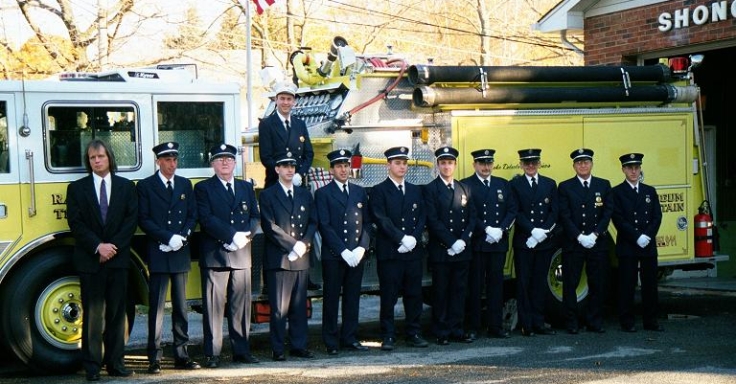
column 614, row 39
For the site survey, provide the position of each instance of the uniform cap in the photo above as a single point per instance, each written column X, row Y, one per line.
column 286, row 87
column 483, row 155
column 339, row 156
column 530, row 154
column 631, row 158
column 446, row 153
column 169, row 149
column 397, row 153
column 581, row 154
column 286, row 159
column 222, row 150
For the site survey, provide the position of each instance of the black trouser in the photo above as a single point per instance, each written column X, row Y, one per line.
column 531, row 267
column 449, row 286
column 627, row 267
column 339, row 276
column 486, row 276
column 403, row 276
column 596, row 266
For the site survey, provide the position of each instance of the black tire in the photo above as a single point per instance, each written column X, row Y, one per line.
column 555, row 309
column 42, row 318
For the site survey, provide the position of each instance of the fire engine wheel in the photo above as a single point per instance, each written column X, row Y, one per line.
column 43, row 313
column 555, row 308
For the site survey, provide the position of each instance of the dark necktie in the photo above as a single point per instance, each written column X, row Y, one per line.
column 449, row 186
column 286, row 124
column 636, row 189
column 534, row 183
column 345, row 190
column 230, row 192
column 103, row 200
column 486, row 183
column 401, row 189
column 169, row 188
column 288, row 193
column 585, row 184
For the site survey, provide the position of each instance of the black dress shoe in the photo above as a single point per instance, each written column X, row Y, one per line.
column 120, row 372
column 417, row 341
column 356, row 346
column 472, row 336
column 500, row 334
column 545, row 331
column 212, row 362
column 443, row 341
column 278, row 356
column 303, row 353
column 93, row 376
column 629, row 328
column 187, row 364
column 154, row 368
column 245, row 359
column 388, row 344
column 461, row 339
column 573, row 331
column 654, row 327
column 527, row 332
column 332, row 351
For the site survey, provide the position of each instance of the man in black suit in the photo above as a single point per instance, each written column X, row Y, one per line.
column 289, row 221
column 637, row 216
column 102, row 212
column 167, row 213
column 450, row 223
column 344, row 223
column 228, row 215
column 533, row 246
column 281, row 133
column 585, row 212
column 496, row 209
column 399, row 212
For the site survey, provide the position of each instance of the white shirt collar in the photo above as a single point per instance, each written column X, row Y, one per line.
column 164, row 179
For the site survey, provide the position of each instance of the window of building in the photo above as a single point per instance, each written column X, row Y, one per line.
column 69, row 128
column 197, row 126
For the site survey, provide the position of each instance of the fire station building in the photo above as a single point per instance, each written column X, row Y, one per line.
column 644, row 32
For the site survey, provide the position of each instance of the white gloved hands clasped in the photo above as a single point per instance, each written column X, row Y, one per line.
column 165, row 248
column 176, row 242
column 539, row 234
column 359, row 252
column 458, row 246
column 293, row 256
column 241, row 239
column 409, row 242
column 349, row 257
column 587, row 241
column 643, row 241
column 297, row 180
column 531, row 242
column 493, row 235
column 299, row 248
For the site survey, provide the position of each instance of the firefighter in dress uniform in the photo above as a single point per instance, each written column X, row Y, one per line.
column 533, row 242
column 637, row 216
column 496, row 209
column 450, row 223
column 585, row 212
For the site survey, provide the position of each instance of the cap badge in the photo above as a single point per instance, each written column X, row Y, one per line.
column 288, row 154
column 580, row 151
column 446, row 150
column 485, row 152
column 342, row 152
column 632, row 156
column 170, row 145
column 402, row 149
column 223, row 147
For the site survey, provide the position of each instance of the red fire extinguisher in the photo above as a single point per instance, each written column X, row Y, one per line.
column 704, row 231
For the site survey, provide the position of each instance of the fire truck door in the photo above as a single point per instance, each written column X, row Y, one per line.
column 10, row 201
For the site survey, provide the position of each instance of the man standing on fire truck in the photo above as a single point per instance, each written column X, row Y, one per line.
column 585, row 212
column 637, row 216
column 167, row 213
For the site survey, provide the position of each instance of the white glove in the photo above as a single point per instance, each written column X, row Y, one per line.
column 531, row 242
column 490, row 239
column 165, row 248
column 403, row 249
column 591, row 240
column 409, row 242
column 451, row 252
column 241, row 239
column 458, row 246
column 297, row 180
column 176, row 242
column 495, row 233
column 359, row 252
column 539, row 234
column 231, row 247
column 643, row 241
column 293, row 256
column 299, row 248
column 348, row 257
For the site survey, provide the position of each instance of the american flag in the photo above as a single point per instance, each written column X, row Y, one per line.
column 261, row 5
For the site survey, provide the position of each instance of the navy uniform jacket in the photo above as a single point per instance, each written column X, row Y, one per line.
column 495, row 206
column 85, row 222
column 273, row 141
column 536, row 210
column 450, row 217
column 344, row 222
column 285, row 222
column 636, row 214
column 162, row 215
column 397, row 215
column 584, row 212
column 220, row 220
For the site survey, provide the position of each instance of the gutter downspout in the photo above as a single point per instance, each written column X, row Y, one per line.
column 567, row 43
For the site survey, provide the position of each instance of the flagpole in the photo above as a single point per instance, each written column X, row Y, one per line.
column 249, row 66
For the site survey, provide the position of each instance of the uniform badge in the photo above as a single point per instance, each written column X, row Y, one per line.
column 301, row 139
column 360, row 205
column 244, row 206
column 463, row 200
column 183, row 197
column 648, row 200
column 598, row 200
column 500, row 197
column 302, row 208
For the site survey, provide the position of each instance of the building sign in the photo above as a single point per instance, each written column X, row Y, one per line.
column 700, row 15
